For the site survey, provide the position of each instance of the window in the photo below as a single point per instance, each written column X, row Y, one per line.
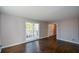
column 32, row 31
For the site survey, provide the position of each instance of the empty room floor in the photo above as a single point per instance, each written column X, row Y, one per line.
column 45, row 45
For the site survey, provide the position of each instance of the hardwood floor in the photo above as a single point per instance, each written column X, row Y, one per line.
column 45, row 45
column 48, row 44
column 32, row 47
column 67, row 47
column 15, row 49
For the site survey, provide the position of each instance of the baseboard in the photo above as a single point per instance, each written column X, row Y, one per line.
column 13, row 45
column 19, row 43
column 69, row 41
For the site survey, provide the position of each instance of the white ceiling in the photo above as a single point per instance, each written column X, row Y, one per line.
column 45, row 13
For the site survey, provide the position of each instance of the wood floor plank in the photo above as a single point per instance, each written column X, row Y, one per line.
column 45, row 45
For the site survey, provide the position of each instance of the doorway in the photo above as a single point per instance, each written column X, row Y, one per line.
column 52, row 29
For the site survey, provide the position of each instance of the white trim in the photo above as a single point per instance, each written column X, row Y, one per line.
column 12, row 44
column 37, row 39
column 19, row 43
column 69, row 41
column 43, row 37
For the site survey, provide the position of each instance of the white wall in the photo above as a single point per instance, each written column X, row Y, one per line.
column 68, row 30
column 13, row 30
column 0, row 28
column 43, row 29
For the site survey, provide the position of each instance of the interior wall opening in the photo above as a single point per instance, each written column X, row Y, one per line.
column 52, row 29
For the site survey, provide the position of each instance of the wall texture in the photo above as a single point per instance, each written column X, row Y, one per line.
column 13, row 30
column 0, row 28
column 43, row 29
column 68, row 30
